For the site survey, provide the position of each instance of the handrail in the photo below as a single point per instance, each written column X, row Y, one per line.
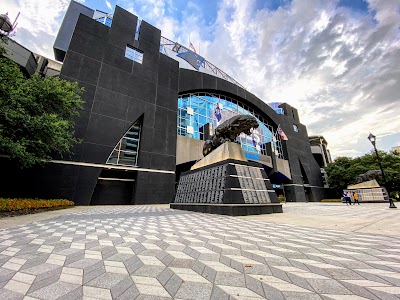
column 178, row 48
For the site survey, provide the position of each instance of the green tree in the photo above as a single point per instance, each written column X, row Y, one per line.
column 36, row 115
column 344, row 170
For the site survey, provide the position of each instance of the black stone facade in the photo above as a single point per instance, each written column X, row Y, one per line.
column 226, row 182
column 118, row 92
column 296, row 149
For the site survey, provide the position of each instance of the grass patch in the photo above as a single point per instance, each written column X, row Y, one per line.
column 331, row 200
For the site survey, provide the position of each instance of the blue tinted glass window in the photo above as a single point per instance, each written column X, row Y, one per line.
column 134, row 54
column 215, row 109
column 108, row 22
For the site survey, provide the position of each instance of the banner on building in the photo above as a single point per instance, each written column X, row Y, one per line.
column 218, row 113
column 192, row 58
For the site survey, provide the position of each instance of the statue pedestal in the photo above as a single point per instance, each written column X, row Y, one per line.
column 226, row 151
column 226, row 183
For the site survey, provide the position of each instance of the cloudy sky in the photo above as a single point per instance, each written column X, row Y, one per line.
column 336, row 61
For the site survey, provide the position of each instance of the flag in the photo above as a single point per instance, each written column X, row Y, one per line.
column 192, row 58
column 192, row 47
column 281, row 133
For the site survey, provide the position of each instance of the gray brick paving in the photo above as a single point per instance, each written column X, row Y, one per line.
column 150, row 252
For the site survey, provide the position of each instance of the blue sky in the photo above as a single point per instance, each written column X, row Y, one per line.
column 358, row 5
column 336, row 61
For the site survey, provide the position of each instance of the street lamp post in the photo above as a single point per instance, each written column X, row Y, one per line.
column 5, row 24
column 372, row 139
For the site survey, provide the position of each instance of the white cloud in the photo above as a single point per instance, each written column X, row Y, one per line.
column 38, row 23
column 149, row 10
column 341, row 69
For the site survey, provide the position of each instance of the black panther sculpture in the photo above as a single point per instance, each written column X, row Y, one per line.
column 369, row 175
column 229, row 130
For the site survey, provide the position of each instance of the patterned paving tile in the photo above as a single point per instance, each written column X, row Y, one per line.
column 234, row 292
column 145, row 252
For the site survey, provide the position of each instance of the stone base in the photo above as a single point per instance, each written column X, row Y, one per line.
column 230, row 209
column 226, row 182
column 228, row 150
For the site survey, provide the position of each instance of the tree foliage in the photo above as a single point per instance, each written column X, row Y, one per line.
column 36, row 115
column 344, row 170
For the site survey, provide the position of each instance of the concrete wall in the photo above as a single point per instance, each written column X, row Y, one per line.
column 188, row 149
column 67, row 28
column 282, row 165
column 22, row 56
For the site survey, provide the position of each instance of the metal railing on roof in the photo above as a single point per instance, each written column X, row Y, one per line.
column 206, row 65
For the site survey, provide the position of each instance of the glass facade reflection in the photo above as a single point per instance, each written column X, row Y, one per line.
column 105, row 20
column 134, row 54
column 127, row 149
column 195, row 110
column 275, row 106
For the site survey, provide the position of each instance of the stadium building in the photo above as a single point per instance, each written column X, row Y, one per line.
column 150, row 103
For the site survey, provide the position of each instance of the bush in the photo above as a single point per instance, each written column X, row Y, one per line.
column 37, row 115
column 7, row 205
column 282, row 198
column 331, row 200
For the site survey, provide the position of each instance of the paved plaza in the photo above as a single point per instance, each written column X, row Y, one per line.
column 311, row 251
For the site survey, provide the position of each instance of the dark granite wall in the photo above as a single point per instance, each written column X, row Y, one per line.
column 118, row 92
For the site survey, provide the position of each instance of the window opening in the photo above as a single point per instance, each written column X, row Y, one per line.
column 105, row 20
column 127, row 150
column 137, row 33
column 134, row 54
column 108, row 22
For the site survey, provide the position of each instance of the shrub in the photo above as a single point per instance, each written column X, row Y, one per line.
column 282, row 198
column 22, row 204
column 37, row 115
column 331, row 200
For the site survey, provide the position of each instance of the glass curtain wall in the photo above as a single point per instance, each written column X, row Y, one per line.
column 197, row 109
column 126, row 151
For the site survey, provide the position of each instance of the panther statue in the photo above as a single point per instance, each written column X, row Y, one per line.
column 369, row 175
column 229, row 130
